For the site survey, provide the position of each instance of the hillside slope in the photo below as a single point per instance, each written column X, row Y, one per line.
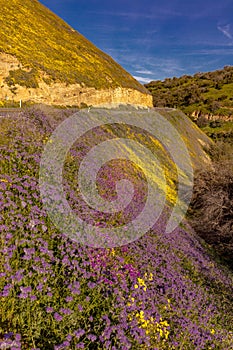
column 203, row 94
column 163, row 291
column 40, row 54
column 195, row 139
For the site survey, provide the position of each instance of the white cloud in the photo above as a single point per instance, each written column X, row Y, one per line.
column 144, row 71
column 226, row 30
column 142, row 80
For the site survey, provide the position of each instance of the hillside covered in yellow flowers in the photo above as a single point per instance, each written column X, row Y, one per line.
column 38, row 49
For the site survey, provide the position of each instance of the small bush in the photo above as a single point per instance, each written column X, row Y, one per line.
column 22, row 78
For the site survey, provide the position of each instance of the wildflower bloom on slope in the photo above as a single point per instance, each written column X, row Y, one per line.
column 57, row 317
column 65, row 311
column 49, row 309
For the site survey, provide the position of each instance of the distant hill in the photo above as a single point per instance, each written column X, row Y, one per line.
column 203, row 94
column 43, row 59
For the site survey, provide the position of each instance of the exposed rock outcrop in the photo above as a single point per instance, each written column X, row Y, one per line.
column 63, row 94
column 211, row 117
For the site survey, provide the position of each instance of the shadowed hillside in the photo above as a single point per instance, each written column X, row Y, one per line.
column 211, row 209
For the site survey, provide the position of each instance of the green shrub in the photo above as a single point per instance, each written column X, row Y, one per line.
column 22, row 78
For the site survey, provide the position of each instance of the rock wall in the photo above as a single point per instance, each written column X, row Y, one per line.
column 211, row 117
column 62, row 94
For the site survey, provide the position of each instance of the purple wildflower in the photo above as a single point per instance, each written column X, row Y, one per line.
column 57, row 317
column 49, row 309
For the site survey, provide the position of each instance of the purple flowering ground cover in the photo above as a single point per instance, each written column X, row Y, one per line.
column 163, row 291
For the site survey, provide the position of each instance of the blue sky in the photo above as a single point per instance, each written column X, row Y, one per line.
column 155, row 39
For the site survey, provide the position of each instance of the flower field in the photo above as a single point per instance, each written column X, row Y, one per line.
column 162, row 291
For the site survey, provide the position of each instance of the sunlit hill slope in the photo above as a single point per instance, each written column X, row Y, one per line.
column 44, row 60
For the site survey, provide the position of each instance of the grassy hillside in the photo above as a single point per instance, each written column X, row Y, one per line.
column 196, row 140
column 43, row 42
column 218, row 130
column 209, row 93
column 163, row 291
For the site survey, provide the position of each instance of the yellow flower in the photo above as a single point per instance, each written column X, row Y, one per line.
column 135, row 286
column 142, row 283
column 131, row 303
column 4, row 180
column 212, row 331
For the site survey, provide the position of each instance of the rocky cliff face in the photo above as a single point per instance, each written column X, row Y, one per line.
column 59, row 93
column 211, row 117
